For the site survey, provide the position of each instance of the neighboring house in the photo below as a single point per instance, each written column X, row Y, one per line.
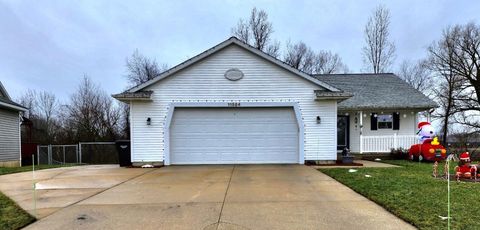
column 234, row 104
column 10, row 154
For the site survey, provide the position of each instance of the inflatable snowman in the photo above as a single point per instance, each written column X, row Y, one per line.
column 429, row 148
column 425, row 131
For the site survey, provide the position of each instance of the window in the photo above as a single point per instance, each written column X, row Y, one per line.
column 385, row 121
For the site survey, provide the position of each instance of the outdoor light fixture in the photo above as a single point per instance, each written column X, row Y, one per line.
column 318, row 120
column 149, row 121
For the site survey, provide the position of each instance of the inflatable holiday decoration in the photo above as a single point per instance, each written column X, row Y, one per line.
column 425, row 131
column 430, row 148
column 464, row 168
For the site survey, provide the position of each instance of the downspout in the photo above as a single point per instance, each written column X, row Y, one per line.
column 20, row 137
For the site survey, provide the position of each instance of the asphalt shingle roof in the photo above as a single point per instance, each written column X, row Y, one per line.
column 377, row 91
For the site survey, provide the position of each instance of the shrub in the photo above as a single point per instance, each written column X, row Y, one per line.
column 399, row 154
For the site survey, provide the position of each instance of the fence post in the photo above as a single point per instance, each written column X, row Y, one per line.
column 76, row 154
column 64, row 154
column 80, row 152
column 38, row 155
column 49, row 154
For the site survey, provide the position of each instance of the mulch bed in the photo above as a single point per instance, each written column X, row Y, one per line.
column 337, row 163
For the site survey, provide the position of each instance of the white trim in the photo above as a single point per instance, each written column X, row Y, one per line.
column 131, row 130
column 13, row 106
column 4, row 91
column 236, row 41
column 173, row 105
column 20, row 138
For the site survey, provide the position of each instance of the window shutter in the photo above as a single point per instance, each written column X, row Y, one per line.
column 373, row 121
column 396, row 121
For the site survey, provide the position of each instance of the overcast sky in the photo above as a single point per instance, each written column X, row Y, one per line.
column 50, row 45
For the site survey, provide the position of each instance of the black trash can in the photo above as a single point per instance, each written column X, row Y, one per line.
column 123, row 149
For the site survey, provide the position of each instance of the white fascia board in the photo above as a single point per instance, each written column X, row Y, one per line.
column 12, row 106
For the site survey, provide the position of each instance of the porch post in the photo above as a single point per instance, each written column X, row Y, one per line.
column 361, row 132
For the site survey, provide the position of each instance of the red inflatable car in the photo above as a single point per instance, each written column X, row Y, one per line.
column 429, row 150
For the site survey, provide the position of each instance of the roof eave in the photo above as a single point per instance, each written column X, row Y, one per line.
column 14, row 107
column 138, row 96
column 420, row 108
column 321, row 95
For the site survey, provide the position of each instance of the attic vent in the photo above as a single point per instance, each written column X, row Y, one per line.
column 233, row 74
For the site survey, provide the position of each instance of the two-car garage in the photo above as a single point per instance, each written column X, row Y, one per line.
column 234, row 135
column 232, row 104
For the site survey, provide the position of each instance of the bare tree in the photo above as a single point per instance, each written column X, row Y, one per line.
column 327, row 62
column 47, row 107
column 42, row 111
column 273, row 49
column 256, row 31
column 458, row 51
column 441, row 61
column 91, row 114
column 27, row 99
column 141, row 69
column 242, row 31
column 418, row 75
column 379, row 51
column 302, row 57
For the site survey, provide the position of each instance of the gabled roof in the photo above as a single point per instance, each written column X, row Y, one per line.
column 377, row 91
column 230, row 41
column 6, row 102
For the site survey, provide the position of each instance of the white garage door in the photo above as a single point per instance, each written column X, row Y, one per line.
column 233, row 136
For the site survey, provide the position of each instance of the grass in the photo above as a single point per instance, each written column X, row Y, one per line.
column 11, row 215
column 5, row 170
column 411, row 193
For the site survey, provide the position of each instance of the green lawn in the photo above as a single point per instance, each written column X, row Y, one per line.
column 411, row 193
column 11, row 215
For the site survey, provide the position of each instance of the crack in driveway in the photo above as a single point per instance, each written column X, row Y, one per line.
column 225, row 197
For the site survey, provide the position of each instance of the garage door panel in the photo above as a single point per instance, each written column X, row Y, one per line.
column 233, row 135
column 230, row 126
column 240, row 143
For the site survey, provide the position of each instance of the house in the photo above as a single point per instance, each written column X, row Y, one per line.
column 234, row 104
column 10, row 154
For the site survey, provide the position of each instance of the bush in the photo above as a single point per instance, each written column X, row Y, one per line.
column 399, row 154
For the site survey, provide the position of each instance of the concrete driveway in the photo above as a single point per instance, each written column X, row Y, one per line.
column 195, row 197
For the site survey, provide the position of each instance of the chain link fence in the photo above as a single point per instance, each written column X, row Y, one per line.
column 81, row 153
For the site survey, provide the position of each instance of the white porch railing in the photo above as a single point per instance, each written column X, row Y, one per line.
column 384, row 144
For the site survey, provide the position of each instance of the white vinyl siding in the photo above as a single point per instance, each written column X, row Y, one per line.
column 233, row 136
column 9, row 135
column 204, row 82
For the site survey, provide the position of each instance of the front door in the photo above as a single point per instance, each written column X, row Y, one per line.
column 343, row 126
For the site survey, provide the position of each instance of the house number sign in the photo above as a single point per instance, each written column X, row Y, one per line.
column 233, row 104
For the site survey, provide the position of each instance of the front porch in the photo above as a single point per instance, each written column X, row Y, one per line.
column 377, row 131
